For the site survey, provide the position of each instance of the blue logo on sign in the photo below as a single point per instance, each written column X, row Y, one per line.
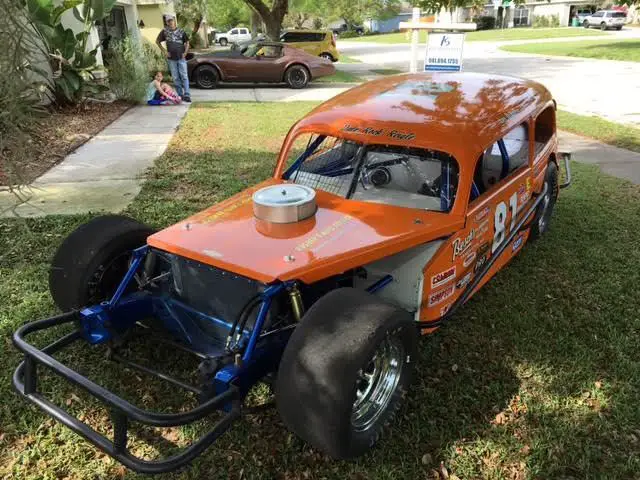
column 517, row 243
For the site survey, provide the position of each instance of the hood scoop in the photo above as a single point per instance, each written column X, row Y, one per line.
column 284, row 203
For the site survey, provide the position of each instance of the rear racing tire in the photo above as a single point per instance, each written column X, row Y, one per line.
column 90, row 263
column 224, row 42
column 297, row 76
column 345, row 372
column 206, row 76
column 542, row 217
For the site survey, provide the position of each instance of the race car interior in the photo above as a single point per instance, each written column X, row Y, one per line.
column 399, row 176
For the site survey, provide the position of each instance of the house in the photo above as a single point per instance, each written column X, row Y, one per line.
column 141, row 19
column 509, row 15
column 393, row 24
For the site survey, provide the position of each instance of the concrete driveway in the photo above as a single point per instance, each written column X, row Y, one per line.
column 605, row 88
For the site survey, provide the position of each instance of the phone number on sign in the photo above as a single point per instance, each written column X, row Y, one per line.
column 447, row 61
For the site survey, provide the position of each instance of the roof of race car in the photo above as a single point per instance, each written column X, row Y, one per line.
column 458, row 113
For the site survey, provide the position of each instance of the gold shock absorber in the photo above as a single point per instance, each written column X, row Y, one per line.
column 296, row 302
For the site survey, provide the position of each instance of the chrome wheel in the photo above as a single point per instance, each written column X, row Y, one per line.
column 377, row 383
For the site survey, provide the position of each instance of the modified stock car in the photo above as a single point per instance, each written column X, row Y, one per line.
column 389, row 207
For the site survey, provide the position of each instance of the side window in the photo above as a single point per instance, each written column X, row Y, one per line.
column 544, row 129
column 294, row 37
column 285, row 37
column 318, row 37
column 234, row 31
column 501, row 159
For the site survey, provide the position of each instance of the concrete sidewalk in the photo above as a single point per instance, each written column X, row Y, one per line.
column 104, row 173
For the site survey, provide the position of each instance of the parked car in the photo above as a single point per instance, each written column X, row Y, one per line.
column 257, row 61
column 344, row 27
column 389, row 207
column 316, row 42
column 583, row 13
column 235, row 35
column 605, row 19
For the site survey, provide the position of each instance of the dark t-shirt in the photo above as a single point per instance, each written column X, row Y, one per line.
column 175, row 40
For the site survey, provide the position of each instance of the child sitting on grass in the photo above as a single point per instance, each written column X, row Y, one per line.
column 159, row 93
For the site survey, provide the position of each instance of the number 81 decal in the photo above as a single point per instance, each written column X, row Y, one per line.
column 500, row 219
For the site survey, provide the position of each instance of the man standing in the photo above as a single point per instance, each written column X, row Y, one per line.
column 177, row 43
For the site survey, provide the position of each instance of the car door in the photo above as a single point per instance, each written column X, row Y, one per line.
column 501, row 190
column 233, row 36
column 244, row 35
column 268, row 64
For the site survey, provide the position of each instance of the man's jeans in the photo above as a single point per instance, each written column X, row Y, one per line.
column 180, row 77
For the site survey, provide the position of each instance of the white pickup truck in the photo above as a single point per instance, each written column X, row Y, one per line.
column 235, row 35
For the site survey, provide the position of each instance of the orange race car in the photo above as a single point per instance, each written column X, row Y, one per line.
column 390, row 205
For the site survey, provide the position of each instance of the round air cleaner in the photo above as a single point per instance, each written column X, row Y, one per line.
column 284, row 203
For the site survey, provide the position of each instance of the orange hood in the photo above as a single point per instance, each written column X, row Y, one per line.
column 343, row 234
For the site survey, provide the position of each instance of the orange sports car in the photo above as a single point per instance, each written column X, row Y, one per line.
column 389, row 207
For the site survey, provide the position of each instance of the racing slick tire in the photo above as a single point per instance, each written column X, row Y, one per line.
column 297, row 76
column 90, row 263
column 345, row 371
column 206, row 76
column 542, row 217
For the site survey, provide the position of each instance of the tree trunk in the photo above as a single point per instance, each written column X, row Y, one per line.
column 255, row 23
column 272, row 19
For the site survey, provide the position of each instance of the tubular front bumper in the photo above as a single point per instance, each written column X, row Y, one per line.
column 25, row 380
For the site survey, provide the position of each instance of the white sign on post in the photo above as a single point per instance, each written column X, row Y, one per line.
column 444, row 52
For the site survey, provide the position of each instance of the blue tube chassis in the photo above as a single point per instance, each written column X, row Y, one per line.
column 99, row 323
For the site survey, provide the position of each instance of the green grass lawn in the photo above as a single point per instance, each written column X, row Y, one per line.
column 538, row 376
column 348, row 59
column 488, row 35
column 627, row 50
column 616, row 134
column 340, row 77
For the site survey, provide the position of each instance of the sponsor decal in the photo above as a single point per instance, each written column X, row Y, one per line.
column 529, row 184
column 443, row 277
column 460, row 245
column 483, row 256
column 441, row 296
column 483, row 228
column 524, row 198
column 482, row 214
column 522, row 189
column 444, row 309
column 464, row 281
column 331, row 232
column 378, row 132
column 517, row 243
column 468, row 260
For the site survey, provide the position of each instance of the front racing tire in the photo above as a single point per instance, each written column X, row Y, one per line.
column 542, row 217
column 345, row 371
column 90, row 263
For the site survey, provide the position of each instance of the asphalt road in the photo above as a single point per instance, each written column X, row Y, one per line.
column 609, row 89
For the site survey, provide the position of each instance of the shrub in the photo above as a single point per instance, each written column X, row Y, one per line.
column 349, row 34
column 485, row 22
column 25, row 86
column 545, row 21
column 128, row 76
